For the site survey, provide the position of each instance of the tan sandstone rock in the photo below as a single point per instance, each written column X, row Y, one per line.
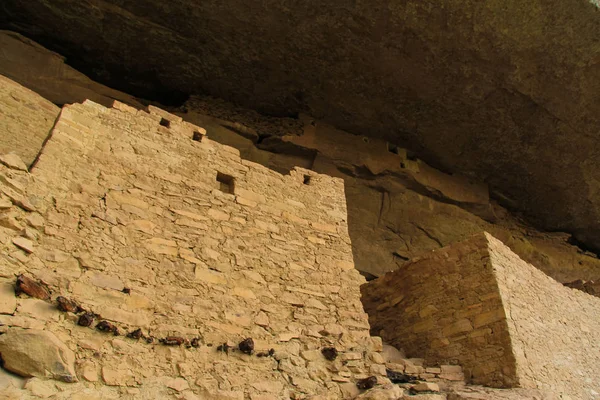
column 32, row 352
column 11, row 160
column 8, row 301
column 426, row 387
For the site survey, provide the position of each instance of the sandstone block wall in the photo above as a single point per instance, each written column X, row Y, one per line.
column 26, row 120
column 446, row 308
column 477, row 304
column 554, row 330
column 147, row 223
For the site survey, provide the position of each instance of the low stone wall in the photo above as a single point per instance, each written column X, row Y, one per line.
column 554, row 330
column 147, row 224
column 476, row 303
column 26, row 120
column 446, row 308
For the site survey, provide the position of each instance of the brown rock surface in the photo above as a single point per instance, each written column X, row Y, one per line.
column 590, row 287
column 47, row 74
column 32, row 288
column 506, row 91
column 31, row 352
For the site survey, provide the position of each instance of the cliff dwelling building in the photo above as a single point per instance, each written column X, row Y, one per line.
column 293, row 248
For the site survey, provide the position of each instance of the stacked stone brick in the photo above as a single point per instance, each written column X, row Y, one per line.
column 26, row 119
column 446, row 308
column 477, row 304
column 139, row 259
column 148, row 224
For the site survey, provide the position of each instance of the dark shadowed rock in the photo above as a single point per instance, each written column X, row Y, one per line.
column 67, row 305
column 136, row 334
column 399, row 377
column 105, row 326
column 85, row 319
column 31, row 288
column 330, row 353
column 505, row 91
column 590, row 287
column 246, row 346
column 173, row 341
column 224, row 348
column 47, row 74
column 367, row 383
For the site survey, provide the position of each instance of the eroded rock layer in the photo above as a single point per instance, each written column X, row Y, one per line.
column 504, row 91
column 398, row 206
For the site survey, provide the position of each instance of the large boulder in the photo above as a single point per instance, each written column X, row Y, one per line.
column 32, row 352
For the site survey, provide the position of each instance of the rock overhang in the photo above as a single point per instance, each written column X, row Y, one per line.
column 505, row 92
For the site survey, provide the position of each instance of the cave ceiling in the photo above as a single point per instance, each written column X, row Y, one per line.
column 504, row 91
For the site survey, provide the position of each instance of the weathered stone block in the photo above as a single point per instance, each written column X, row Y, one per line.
column 24, row 244
column 8, row 301
column 31, row 352
column 474, row 285
column 489, row 317
column 426, row 387
column 460, row 326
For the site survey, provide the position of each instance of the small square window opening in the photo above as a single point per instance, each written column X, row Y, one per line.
column 226, row 183
column 197, row 136
column 392, row 148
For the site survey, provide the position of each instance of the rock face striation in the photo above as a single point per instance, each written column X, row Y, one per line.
column 505, row 91
column 47, row 74
column 398, row 206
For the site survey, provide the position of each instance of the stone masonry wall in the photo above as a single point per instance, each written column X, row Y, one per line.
column 446, row 308
column 148, row 224
column 478, row 304
column 26, row 120
column 554, row 330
